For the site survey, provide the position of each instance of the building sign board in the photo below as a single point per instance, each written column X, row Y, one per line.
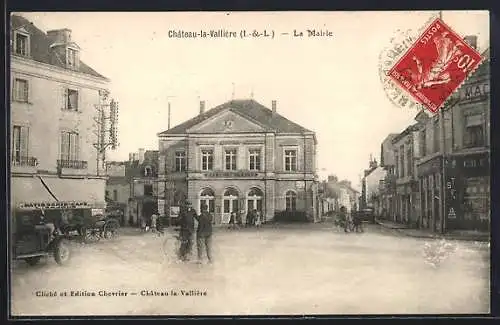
column 231, row 174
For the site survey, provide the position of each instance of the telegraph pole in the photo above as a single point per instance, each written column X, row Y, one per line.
column 106, row 127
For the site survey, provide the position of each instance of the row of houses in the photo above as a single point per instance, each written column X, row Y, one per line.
column 435, row 174
column 335, row 194
column 236, row 157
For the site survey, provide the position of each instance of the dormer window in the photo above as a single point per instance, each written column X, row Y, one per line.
column 72, row 58
column 21, row 43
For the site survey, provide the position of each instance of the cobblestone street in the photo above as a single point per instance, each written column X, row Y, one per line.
column 306, row 269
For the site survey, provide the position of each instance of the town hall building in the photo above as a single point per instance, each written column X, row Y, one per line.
column 237, row 157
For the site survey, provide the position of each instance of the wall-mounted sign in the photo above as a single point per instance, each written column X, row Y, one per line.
column 475, row 92
column 300, row 185
column 231, row 174
column 54, row 205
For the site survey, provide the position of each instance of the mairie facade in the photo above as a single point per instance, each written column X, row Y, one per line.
column 237, row 157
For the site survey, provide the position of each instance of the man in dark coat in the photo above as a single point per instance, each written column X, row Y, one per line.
column 187, row 230
column 204, row 233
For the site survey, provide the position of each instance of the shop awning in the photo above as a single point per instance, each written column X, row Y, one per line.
column 77, row 190
column 28, row 190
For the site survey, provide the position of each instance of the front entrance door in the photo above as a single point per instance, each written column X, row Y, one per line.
column 230, row 205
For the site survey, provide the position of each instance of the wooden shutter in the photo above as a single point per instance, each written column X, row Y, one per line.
column 64, row 98
column 24, row 137
column 64, row 146
column 74, row 146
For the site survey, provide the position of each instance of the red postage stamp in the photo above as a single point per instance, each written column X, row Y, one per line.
column 435, row 66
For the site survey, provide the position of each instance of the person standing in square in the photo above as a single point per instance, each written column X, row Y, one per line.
column 204, row 233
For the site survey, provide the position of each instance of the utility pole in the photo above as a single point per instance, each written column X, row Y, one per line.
column 166, row 192
column 106, row 127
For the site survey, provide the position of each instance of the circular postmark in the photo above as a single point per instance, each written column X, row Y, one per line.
column 399, row 44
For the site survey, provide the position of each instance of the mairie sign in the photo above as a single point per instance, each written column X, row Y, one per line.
column 54, row 205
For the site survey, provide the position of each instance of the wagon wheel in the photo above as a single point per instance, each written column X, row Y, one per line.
column 111, row 229
column 90, row 235
column 62, row 252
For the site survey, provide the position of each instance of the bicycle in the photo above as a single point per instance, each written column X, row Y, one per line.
column 170, row 244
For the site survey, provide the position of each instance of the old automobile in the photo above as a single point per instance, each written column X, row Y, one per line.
column 35, row 236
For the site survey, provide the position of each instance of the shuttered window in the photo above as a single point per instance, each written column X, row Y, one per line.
column 69, row 146
column 20, row 137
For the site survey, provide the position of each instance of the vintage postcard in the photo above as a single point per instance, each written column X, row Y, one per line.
column 249, row 163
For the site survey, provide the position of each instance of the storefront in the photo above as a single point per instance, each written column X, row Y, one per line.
column 468, row 192
column 429, row 178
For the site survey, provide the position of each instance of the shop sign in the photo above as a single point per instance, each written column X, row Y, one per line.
column 97, row 212
column 54, row 205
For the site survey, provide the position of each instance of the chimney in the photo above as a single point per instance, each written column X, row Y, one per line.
column 135, row 156
column 471, row 40
column 60, row 36
column 273, row 105
column 141, row 155
column 168, row 128
column 202, row 107
column 131, row 156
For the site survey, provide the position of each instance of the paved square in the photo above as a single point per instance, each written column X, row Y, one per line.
column 292, row 269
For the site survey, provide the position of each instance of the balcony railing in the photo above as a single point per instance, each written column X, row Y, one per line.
column 24, row 161
column 73, row 164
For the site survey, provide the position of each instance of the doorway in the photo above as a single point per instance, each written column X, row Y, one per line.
column 230, row 204
column 254, row 200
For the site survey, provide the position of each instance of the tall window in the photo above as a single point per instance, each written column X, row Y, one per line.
column 291, row 201
column 409, row 162
column 70, row 99
column 115, row 195
column 180, row 161
column 290, row 160
column 423, row 142
column 72, row 58
column 21, row 44
column 474, row 131
column 436, row 136
column 20, row 136
column 402, row 162
column 69, row 146
column 254, row 156
column 21, row 90
column 207, row 159
column 396, row 160
column 230, row 158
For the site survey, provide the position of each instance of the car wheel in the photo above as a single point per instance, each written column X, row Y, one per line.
column 32, row 261
column 62, row 252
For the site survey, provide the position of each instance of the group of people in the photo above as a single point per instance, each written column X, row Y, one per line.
column 254, row 218
column 205, row 219
column 350, row 222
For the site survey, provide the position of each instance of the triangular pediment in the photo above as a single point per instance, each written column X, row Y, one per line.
column 226, row 121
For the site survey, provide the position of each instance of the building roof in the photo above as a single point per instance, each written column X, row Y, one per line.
column 413, row 127
column 40, row 46
column 248, row 108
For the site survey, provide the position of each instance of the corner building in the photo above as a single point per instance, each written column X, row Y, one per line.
column 237, row 157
